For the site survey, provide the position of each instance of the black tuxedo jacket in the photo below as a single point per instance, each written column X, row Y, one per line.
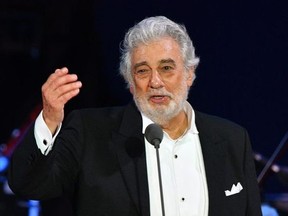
column 98, row 160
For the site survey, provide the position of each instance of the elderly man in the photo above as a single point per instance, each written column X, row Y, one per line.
column 101, row 159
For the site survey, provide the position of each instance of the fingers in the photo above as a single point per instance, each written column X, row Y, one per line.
column 65, row 86
column 58, row 73
column 59, row 78
column 66, row 92
column 61, row 86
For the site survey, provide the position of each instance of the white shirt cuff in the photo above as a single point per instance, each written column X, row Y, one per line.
column 43, row 135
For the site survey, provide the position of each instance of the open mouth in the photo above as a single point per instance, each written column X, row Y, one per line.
column 159, row 99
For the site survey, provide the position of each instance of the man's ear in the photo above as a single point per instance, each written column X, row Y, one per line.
column 131, row 89
column 191, row 76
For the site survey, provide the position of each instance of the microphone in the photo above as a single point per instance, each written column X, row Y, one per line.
column 154, row 135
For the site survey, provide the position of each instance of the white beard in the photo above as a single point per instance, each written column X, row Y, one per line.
column 162, row 114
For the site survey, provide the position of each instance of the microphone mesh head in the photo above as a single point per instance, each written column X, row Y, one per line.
column 154, row 134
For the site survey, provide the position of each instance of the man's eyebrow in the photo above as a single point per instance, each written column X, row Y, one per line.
column 169, row 60
column 140, row 64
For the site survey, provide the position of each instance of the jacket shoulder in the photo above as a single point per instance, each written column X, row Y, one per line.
column 216, row 122
column 110, row 117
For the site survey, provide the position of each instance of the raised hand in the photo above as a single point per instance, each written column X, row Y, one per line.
column 59, row 88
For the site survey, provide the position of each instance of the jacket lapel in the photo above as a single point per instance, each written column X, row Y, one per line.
column 214, row 160
column 130, row 149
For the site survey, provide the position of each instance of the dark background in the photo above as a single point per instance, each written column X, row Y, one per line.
column 242, row 76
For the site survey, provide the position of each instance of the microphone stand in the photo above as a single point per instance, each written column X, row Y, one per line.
column 154, row 135
column 157, row 145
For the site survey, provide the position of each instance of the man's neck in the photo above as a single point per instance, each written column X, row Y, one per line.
column 177, row 126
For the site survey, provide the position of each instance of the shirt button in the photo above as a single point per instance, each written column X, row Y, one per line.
column 183, row 199
column 45, row 142
column 175, row 156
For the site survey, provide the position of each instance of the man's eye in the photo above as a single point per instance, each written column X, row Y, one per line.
column 166, row 68
column 141, row 71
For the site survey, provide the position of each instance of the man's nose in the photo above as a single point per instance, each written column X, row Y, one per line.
column 156, row 80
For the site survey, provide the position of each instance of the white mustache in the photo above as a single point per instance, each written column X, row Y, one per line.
column 161, row 92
